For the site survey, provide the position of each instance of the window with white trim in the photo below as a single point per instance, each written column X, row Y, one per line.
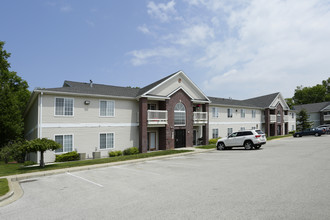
column 242, row 113
column 215, row 133
column 107, row 140
column 179, row 114
column 229, row 131
column 254, row 112
column 107, row 108
column 64, row 106
column 215, row 112
column 253, row 128
column 66, row 141
column 242, row 128
column 229, row 112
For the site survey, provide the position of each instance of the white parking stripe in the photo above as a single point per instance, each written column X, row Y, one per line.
column 84, row 179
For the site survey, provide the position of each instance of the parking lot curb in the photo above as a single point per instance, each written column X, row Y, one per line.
column 16, row 192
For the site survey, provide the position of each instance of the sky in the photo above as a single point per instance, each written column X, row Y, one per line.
column 229, row 48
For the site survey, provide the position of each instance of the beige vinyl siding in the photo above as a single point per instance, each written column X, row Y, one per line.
column 236, row 122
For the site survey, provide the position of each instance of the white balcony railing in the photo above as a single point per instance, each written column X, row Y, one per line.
column 200, row 117
column 326, row 118
column 157, row 117
column 272, row 118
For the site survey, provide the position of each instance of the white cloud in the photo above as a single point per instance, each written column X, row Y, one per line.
column 194, row 35
column 144, row 29
column 66, row 8
column 143, row 56
column 161, row 11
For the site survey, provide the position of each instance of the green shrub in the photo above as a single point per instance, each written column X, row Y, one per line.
column 292, row 132
column 214, row 140
column 131, row 151
column 6, row 153
column 29, row 163
column 67, row 157
column 115, row 153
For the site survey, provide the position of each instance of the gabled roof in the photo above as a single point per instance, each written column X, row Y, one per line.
column 95, row 89
column 313, row 107
column 230, row 102
column 262, row 101
column 152, row 85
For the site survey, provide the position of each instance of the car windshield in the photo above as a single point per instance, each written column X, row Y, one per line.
column 259, row 132
column 233, row 135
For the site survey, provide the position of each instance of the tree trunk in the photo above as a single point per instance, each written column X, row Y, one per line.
column 42, row 163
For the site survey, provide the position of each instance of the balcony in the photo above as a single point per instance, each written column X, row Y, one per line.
column 200, row 118
column 286, row 118
column 272, row 118
column 326, row 117
column 157, row 117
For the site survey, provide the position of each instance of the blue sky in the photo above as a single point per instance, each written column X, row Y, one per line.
column 229, row 48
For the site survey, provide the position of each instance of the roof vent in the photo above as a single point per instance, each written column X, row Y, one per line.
column 91, row 83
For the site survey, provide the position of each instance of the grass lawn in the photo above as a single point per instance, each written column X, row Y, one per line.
column 12, row 169
column 4, row 188
column 277, row 137
column 210, row 146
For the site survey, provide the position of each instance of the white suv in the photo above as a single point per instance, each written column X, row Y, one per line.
column 247, row 139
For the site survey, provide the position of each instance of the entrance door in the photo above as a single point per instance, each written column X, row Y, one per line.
column 279, row 129
column 195, row 138
column 151, row 140
column 180, row 138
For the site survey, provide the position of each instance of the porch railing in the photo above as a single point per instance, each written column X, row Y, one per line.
column 200, row 117
column 326, row 118
column 272, row 118
column 157, row 117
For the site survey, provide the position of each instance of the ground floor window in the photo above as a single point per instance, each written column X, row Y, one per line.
column 242, row 128
column 229, row 131
column 292, row 128
column 66, row 142
column 107, row 140
column 215, row 133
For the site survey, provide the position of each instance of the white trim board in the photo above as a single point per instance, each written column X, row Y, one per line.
column 87, row 125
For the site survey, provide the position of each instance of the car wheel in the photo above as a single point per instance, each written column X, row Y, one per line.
column 221, row 146
column 248, row 145
column 317, row 134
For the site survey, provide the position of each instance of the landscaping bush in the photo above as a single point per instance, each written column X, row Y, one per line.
column 67, row 157
column 131, row 151
column 29, row 163
column 292, row 132
column 214, row 140
column 115, row 153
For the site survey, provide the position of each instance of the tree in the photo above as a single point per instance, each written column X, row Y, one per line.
column 42, row 145
column 289, row 102
column 14, row 95
column 303, row 120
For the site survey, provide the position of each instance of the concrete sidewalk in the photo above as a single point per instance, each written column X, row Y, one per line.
column 16, row 192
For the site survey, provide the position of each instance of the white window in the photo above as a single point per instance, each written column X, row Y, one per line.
column 229, row 112
column 229, row 131
column 107, row 140
column 107, row 108
column 292, row 128
column 215, row 112
column 242, row 113
column 64, row 106
column 254, row 112
column 215, row 133
column 242, row 128
column 253, row 128
column 292, row 115
column 66, row 141
column 179, row 114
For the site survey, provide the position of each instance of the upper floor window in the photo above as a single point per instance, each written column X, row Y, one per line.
column 215, row 112
column 64, row 106
column 242, row 113
column 151, row 106
column 179, row 114
column 254, row 112
column 107, row 108
column 229, row 112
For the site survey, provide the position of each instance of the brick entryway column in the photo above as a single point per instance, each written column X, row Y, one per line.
column 143, row 125
column 206, row 127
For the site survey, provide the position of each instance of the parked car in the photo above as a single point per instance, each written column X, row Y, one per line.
column 325, row 128
column 247, row 139
column 309, row 131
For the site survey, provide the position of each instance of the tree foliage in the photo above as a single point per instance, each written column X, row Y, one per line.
column 42, row 145
column 303, row 120
column 14, row 95
column 314, row 94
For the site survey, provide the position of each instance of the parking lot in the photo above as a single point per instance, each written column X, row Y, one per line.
column 286, row 179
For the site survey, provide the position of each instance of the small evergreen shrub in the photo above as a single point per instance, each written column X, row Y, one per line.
column 67, row 157
column 115, row 153
column 292, row 132
column 29, row 163
column 131, row 151
column 214, row 140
